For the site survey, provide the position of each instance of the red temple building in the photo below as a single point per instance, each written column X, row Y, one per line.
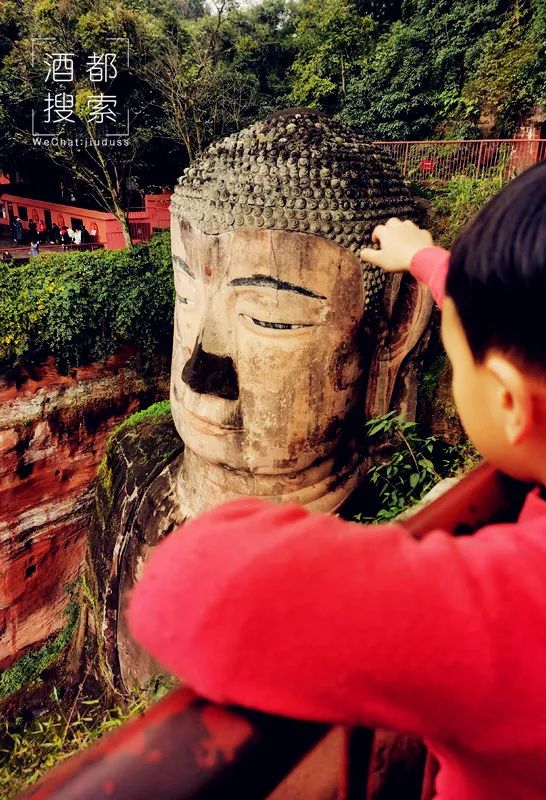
column 154, row 215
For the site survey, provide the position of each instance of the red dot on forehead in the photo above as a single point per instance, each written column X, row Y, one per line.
column 208, row 271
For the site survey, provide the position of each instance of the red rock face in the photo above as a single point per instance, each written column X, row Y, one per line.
column 52, row 436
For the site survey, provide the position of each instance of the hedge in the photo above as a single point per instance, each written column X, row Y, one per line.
column 81, row 307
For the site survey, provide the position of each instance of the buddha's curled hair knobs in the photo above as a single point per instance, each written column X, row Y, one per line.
column 296, row 170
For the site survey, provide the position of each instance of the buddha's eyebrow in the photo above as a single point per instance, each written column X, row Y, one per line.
column 179, row 263
column 270, row 282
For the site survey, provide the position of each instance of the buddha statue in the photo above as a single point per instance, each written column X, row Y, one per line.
column 285, row 342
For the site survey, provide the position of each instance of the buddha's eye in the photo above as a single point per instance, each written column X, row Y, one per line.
column 182, row 299
column 280, row 326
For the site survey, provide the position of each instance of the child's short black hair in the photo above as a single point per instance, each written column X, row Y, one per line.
column 497, row 273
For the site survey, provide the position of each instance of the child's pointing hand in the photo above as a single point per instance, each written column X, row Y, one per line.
column 399, row 242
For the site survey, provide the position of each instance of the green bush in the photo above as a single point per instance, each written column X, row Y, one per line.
column 411, row 465
column 29, row 667
column 456, row 201
column 28, row 750
column 80, row 307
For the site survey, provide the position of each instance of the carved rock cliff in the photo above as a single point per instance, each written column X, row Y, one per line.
column 53, row 430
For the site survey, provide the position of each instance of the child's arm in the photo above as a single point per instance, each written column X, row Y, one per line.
column 303, row 614
column 406, row 248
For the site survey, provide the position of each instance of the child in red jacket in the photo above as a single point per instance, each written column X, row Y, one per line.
column 306, row 615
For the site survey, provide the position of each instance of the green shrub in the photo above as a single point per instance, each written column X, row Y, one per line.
column 412, row 466
column 28, row 750
column 80, row 307
column 456, row 201
column 29, row 667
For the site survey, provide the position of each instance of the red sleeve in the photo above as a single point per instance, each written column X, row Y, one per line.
column 430, row 266
column 306, row 615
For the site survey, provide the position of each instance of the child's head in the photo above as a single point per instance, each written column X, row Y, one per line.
column 494, row 327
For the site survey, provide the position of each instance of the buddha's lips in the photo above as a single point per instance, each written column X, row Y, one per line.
column 212, row 423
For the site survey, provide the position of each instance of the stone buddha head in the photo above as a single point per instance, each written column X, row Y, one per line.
column 284, row 344
column 278, row 323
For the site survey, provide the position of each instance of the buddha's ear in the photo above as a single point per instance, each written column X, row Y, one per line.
column 407, row 307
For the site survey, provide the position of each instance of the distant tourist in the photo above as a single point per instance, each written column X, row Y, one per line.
column 65, row 238
column 78, row 236
column 32, row 229
column 7, row 256
column 34, row 247
column 18, row 232
column 55, row 233
column 41, row 228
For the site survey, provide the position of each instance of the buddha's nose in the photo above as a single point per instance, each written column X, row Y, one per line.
column 208, row 373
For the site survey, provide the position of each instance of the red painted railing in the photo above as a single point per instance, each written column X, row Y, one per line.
column 477, row 158
column 185, row 748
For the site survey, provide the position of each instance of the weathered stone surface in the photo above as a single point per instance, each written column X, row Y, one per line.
column 134, row 509
column 52, row 437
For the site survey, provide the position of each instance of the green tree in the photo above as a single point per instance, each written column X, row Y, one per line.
column 330, row 39
column 200, row 93
column 81, row 28
column 431, row 71
column 391, row 98
column 510, row 76
column 260, row 41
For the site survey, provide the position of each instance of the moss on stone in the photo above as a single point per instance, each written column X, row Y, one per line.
column 105, row 488
column 104, row 471
column 439, row 412
column 90, row 598
column 156, row 410
column 136, row 453
column 104, row 481
column 28, row 668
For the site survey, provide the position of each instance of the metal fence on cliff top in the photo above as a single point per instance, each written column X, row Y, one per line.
column 476, row 158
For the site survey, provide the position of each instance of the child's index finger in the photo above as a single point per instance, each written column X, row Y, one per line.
column 372, row 256
column 377, row 233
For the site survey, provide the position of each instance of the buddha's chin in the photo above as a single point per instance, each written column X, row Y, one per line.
column 232, row 451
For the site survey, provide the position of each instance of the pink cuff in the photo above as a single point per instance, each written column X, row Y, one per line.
column 430, row 266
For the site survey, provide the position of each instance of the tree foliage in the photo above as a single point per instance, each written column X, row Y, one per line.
column 442, row 65
column 330, row 39
column 394, row 69
column 79, row 29
column 506, row 80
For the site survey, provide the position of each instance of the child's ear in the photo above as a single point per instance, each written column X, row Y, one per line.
column 515, row 397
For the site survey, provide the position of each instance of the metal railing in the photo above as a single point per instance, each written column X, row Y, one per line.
column 477, row 158
column 83, row 246
column 185, row 748
column 19, row 251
